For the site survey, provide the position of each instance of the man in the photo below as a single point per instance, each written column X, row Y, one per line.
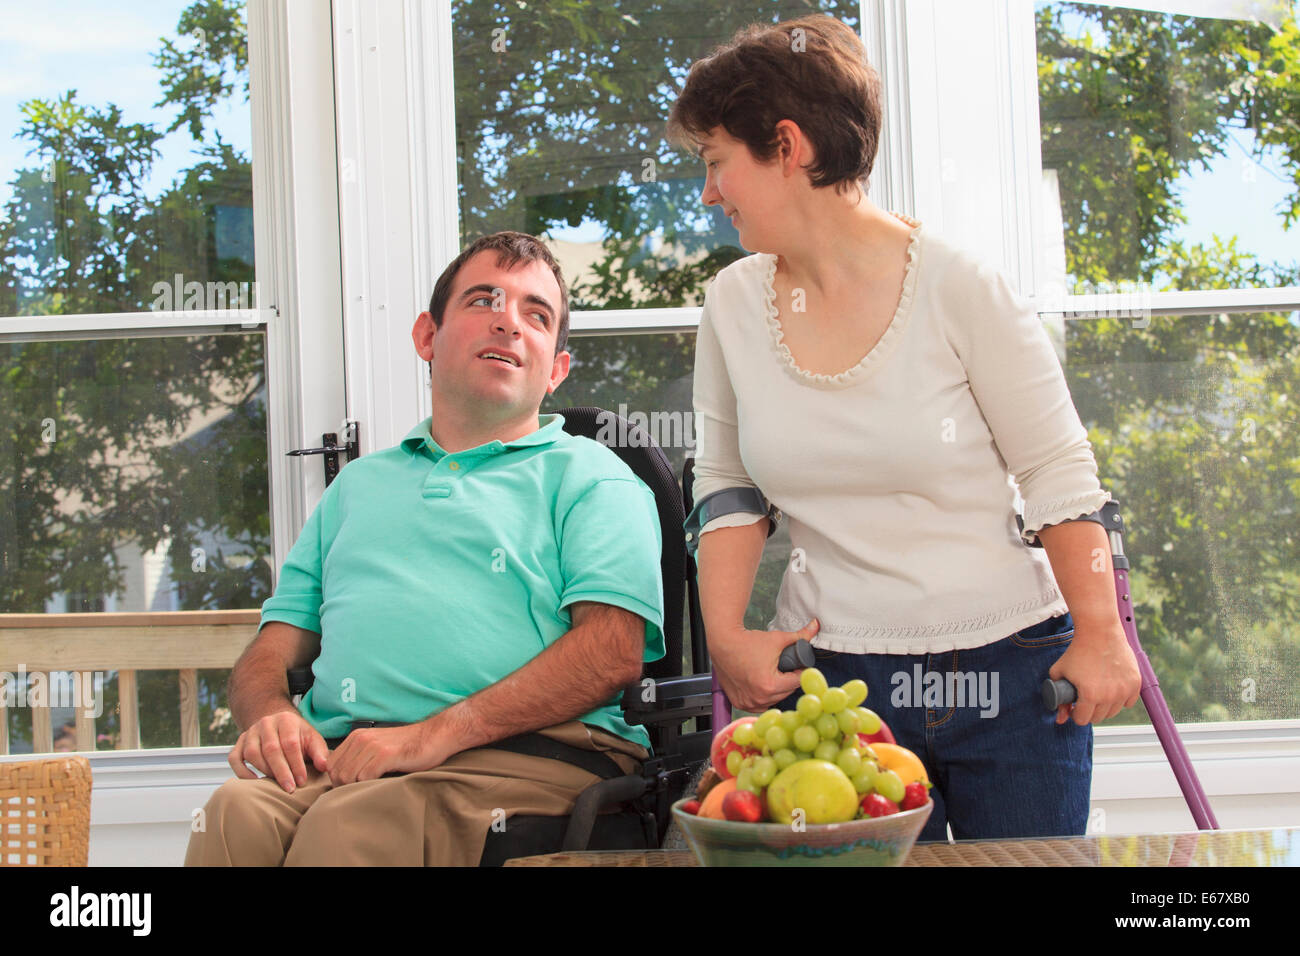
column 484, row 579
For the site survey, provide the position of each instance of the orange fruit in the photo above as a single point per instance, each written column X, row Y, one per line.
column 711, row 806
column 902, row 761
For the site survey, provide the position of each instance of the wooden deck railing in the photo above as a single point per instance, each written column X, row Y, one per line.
column 176, row 640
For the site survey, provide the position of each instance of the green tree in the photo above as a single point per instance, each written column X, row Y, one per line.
column 560, row 119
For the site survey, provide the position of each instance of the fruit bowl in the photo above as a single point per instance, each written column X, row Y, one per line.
column 875, row 841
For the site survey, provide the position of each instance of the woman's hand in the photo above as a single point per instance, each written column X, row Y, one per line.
column 746, row 661
column 1101, row 666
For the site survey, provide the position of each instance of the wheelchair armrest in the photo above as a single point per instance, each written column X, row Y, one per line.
column 668, row 700
column 300, row 680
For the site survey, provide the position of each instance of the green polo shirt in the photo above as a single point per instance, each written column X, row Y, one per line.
column 430, row 576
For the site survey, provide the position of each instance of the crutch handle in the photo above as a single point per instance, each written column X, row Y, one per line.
column 798, row 655
column 1058, row 692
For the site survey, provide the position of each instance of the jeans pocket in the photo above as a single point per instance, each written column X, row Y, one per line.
column 1053, row 632
column 824, row 656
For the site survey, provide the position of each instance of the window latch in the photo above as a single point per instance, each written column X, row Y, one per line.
column 351, row 446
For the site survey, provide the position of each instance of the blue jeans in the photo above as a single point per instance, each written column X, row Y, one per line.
column 1000, row 765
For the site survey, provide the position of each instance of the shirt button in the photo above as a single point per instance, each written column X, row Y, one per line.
column 454, row 466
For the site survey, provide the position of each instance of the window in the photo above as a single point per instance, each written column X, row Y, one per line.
column 1170, row 150
column 133, row 403
column 560, row 131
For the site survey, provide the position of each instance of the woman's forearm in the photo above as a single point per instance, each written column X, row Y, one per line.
column 1079, row 552
column 728, row 560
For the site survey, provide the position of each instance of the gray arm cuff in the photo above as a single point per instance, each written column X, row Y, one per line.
column 1107, row 516
column 726, row 502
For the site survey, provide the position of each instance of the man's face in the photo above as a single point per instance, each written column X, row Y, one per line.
column 496, row 345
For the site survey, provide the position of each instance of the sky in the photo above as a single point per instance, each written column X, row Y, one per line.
column 49, row 48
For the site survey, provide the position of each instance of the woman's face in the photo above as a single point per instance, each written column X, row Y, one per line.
column 748, row 191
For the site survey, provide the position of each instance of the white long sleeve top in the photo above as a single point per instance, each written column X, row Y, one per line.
column 896, row 475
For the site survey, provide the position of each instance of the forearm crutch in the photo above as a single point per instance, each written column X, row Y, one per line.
column 1058, row 692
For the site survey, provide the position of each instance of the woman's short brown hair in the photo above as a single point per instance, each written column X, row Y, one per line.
column 813, row 71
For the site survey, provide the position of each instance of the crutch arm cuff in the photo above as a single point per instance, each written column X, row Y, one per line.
column 1107, row 516
column 728, row 501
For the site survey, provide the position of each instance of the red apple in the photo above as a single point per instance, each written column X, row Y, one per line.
column 723, row 745
column 883, row 735
column 742, row 806
column 691, row 806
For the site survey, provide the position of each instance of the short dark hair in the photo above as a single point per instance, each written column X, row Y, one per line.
column 512, row 248
column 818, row 77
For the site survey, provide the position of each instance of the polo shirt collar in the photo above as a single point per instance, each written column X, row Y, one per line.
column 421, row 436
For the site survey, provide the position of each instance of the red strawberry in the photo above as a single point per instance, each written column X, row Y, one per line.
column 915, row 796
column 691, row 806
column 742, row 807
column 876, row 805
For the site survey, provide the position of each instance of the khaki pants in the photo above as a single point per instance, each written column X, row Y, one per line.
column 438, row 817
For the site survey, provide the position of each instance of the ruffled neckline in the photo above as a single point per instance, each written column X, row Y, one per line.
column 878, row 352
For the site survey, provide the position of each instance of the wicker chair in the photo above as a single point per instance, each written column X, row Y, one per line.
column 45, row 812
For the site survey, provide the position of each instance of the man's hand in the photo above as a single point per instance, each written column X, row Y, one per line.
column 277, row 745
column 370, row 753
column 746, row 665
column 1101, row 666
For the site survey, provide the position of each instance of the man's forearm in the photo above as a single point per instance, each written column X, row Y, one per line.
column 259, row 682
column 576, row 674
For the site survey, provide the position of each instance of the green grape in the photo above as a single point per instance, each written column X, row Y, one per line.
column 834, row 700
column 765, row 722
column 784, row 757
column 848, row 721
column 849, row 760
column 868, row 721
column 807, row 738
column 857, row 691
column 864, row 781
column 809, row 707
column 890, row 784
column 764, row 770
column 827, row 726
column 791, row 721
column 813, row 681
column 827, row 750
column 777, row 737
column 745, row 781
column 734, row 761
column 743, row 735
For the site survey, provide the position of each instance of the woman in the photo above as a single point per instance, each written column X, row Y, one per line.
column 878, row 385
